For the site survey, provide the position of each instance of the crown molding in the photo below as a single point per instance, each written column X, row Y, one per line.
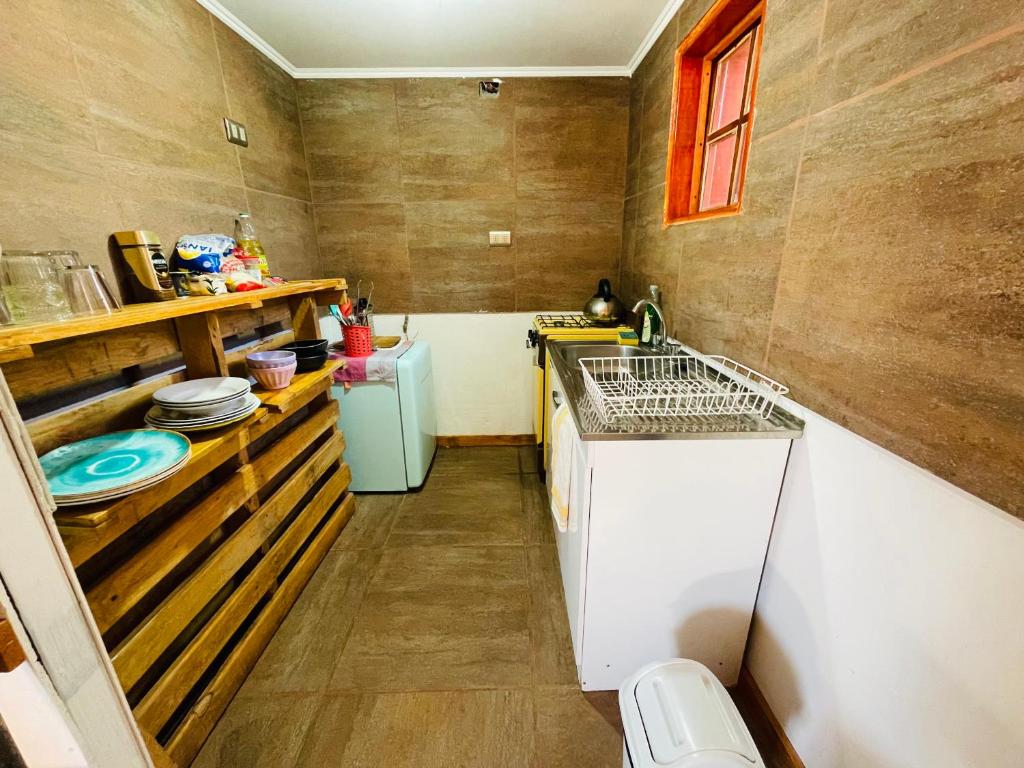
column 317, row 73
column 326, row 73
column 248, row 35
column 670, row 10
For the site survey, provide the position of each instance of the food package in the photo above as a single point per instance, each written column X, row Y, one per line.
column 201, row 253
column 209, row 284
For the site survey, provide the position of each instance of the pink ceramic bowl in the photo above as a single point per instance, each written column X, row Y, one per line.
column 272, row 359
column 274, row 378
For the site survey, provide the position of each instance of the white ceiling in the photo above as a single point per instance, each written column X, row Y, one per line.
column 361, row 38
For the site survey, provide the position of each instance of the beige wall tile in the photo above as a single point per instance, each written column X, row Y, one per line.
column 153, row 84
column 453, row 268
column 900, row 270
column 910, row 33
column 55, row 197
column 366, row 241
column 288, row 233
column 454, row 144
column 351, row 134
column 563, row 249
column 263, row 97
column 40, row 94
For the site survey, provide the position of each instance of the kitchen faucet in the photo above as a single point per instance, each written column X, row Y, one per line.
column 660, row 339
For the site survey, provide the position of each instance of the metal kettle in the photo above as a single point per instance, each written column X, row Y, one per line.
column 604, row 307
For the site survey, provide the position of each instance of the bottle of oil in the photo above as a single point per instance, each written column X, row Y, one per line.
column 248, row 241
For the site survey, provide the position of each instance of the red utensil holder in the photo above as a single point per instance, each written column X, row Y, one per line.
column 358, row 341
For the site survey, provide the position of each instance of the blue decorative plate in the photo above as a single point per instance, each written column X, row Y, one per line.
column 108, row 462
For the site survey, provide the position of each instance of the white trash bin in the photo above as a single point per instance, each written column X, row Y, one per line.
column 676, row 714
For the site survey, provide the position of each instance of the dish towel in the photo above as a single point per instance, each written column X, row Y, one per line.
column 563, row 435
column 382, row 365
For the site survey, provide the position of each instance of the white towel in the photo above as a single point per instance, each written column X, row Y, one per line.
column 563, row 435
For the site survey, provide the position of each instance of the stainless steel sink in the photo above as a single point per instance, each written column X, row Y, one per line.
column 573, row 353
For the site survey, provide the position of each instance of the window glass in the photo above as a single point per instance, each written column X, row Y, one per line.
column 718, row 166
column 729, row 85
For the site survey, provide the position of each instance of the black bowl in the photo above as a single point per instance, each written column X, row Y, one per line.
column 307, row 363
column 307, row 347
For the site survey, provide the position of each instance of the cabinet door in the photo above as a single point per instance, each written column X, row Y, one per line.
column 572, row 547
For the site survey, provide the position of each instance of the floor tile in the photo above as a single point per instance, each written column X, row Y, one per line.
column 458, row 511
column 573, row 732
column 259, row 732
column 476, row 462
column 464, row 729
column 536, row 512
column 304, row 651
column 328, row 738
column 441, row 618
column 550, row 641
column 527, row 459
column 370, row 525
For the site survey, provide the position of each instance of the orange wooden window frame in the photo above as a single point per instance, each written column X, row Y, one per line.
column 721, row 26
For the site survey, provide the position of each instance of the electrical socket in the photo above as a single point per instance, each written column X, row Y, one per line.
column 500, row 238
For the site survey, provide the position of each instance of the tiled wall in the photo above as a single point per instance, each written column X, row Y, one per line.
column 877, row 266
column 110, row 119
column 408, row 177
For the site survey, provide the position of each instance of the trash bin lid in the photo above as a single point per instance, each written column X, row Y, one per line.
column 684, row 710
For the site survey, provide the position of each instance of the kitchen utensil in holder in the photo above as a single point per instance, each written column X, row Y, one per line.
column 358, row 340
column 676, row 387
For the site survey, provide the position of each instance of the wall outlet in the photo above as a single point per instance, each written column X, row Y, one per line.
column 500, row 238
column 235, row 132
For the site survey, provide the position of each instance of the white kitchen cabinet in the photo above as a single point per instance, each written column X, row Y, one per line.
column 664, row 552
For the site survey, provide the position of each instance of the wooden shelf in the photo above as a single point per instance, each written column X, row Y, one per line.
column 16, row 341
column 284, row 400
column 187, row 580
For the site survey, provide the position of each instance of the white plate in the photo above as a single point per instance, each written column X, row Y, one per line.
column 159, row 414
column 203, row 411
column 220, row 421
column 217, row 389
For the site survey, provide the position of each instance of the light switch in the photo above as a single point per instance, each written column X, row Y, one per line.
column 235, row 132
column 501, row 238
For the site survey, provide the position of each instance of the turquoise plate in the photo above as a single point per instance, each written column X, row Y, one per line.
column 108, row 462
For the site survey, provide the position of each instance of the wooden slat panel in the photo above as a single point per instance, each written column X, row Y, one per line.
column 160, row 758
column 281, row 453
column 77, row 361
column 163, row 698
column 122, row 589
column 152, row 637
column 239, row 321
column 305, row 320
column 188, row 739
column 123, row 409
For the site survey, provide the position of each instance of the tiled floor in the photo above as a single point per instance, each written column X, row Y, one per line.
column 433, row 634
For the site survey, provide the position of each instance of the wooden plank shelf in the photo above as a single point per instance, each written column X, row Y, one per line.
column 286, row 400
column 188, row 580
column 16, row 340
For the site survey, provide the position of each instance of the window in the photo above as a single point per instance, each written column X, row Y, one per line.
column 712, row 112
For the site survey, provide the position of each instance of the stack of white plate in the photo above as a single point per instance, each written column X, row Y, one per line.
column 202, row 404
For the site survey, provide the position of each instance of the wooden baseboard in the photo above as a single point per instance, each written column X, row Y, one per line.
column 470, row 441
column 779, row 745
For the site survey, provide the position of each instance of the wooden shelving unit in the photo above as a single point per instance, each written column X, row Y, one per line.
column 189, row 579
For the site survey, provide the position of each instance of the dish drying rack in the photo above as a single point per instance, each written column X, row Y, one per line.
column 632, row 389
